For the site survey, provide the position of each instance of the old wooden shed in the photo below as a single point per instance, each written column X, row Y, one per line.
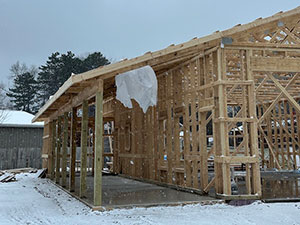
column 21, row 141
column 224, row 100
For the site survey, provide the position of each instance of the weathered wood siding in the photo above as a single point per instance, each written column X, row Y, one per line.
column 20, row 147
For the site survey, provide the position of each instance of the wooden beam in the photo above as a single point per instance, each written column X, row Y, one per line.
column 211, row 183
column 75, row 101
column 98, row 145
column 285, row 92
column 83, row 158
column 275, row 64
column 236, row 159
column 64, row 151
column 73, row 149
column 277, row 98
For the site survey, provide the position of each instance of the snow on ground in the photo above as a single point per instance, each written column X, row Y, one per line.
column 31, row 200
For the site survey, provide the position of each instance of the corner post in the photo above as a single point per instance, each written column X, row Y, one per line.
column 223, row 182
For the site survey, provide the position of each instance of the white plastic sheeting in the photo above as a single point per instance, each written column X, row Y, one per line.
column 139, row 84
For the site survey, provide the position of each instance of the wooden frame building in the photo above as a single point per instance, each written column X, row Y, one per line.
column 224, row 100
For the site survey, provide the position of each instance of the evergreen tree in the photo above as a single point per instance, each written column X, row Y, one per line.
column 93, row 61
column 48, row 77
column 23, row 92
column 59, row 68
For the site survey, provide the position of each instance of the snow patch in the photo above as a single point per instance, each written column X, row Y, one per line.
column 13, row 117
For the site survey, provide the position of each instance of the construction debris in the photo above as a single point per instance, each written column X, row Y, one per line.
column 8, row 178
column 21, row 170
column 42, row 173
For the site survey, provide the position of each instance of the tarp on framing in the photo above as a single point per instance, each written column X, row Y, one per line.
column 139, row 84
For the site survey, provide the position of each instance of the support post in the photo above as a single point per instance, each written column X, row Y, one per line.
column 256, row 183
column 83, row 159
column 73, row 149
column 98, row 146
column 53, row 148
column 203, row 151
column 222, row 170
column 64, row 151
column 58, row 152
column 49, row 149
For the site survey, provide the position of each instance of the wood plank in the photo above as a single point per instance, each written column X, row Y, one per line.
column 236, row 159
column 275, row 64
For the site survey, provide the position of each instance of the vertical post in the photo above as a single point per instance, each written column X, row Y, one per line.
column 223, row 124
column 73, row 149
column 253, row 128
column 49, row 149
column 98, row 146
column 53, row 148
column 203, row 151
column 223, row 183
column 58, row 147
column 46, row 145
column 83, row 158
column 64, row 151
column 169, row 132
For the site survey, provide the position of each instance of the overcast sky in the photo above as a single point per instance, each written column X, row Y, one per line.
column 30, row 30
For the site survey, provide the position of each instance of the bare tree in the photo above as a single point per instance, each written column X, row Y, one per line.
column 21, row 68
column 3, row 112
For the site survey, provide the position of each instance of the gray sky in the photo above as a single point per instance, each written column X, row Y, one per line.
column 30, row 30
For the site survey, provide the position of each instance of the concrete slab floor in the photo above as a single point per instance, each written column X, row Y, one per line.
column 275, row 184
column 119, row 191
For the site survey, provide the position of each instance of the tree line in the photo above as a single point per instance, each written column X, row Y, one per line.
column 32, row 86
